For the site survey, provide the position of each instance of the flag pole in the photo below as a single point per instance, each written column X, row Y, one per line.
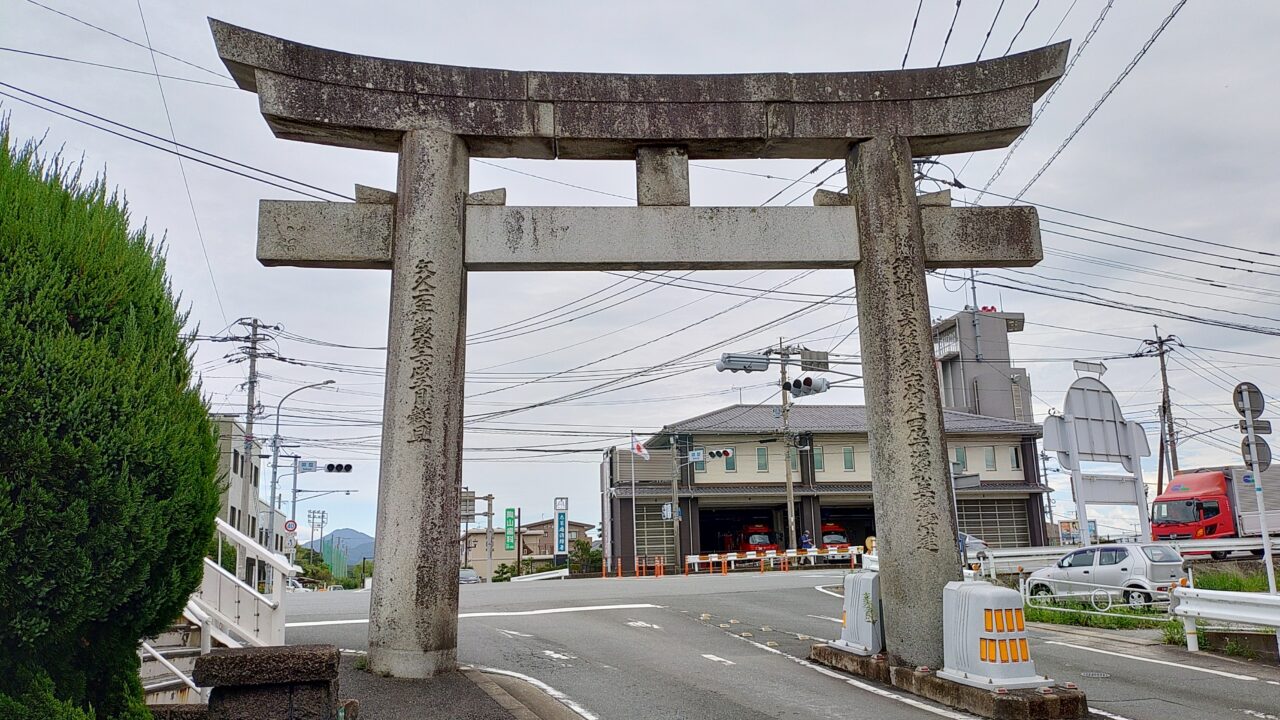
column 635, row 540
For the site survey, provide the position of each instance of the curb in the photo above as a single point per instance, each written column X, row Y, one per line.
column 518, row 710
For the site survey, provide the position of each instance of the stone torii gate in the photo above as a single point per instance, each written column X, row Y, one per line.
column 430, row 232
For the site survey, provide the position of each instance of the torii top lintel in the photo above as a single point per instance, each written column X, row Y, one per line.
column 336, row 98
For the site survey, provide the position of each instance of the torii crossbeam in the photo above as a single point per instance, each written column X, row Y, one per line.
column 430, row 232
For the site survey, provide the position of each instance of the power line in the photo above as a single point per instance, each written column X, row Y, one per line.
column 552, row 180
column 1063, row 19
column 114, row 67
column 128, row 40
column 1022, row 27
column 915, row 21
column 1048, row 98
column 167, row 141
column 988, row 36
column 1089, row 115
column 182, row 168
column 947, row 40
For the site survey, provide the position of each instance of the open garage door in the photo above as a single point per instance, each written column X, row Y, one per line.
column 857, row 521
column 724, row 529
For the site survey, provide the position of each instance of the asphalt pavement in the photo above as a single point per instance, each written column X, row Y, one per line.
column 733, row 647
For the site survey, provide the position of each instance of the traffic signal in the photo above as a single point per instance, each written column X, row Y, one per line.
column 735, row 362
column 338, row 467
column 725, row 453
column 807, row 386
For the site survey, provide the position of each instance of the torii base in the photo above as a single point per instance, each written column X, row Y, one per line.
column 1060, row 702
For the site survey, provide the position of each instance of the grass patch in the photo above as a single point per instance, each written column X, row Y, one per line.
column 1231, row 577
column 1117, row 618
column 1239, row 649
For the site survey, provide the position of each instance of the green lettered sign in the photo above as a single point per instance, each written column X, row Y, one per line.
column 511, row 529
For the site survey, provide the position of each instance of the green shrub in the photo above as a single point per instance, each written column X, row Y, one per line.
column 107, row 455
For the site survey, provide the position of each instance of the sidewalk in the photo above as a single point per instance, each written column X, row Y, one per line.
column 466, row 695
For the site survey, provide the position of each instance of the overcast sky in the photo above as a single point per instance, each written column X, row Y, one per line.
column 1183, row 146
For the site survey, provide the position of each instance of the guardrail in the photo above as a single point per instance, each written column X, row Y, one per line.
column 1243, row 608
column 993, row 561
column 560, row 574
column 1095, row 599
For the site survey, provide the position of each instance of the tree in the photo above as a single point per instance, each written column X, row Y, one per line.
column 584, row 559
column 108, row 459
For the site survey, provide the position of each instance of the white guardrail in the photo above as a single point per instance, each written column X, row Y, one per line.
column 729, row 561
column 548, row 575
column 1243, row 608
column 994, row 561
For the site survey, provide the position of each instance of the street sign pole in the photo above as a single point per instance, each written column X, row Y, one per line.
column 1246, row 396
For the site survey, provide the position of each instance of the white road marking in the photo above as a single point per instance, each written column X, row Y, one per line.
column 554, row 611
column 1257, row 714
column 717, row 658
column 547, row 611
column 1106, row 714
column 943, row 712
column 1222, row 673
column 558, row 656
column 513, row 632
column 1273, row 682
column 837, row 621
column 823, row 589
column 643, row 624
column 561, row 697
column 318, row 623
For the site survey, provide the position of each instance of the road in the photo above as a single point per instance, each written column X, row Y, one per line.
column 732, row 647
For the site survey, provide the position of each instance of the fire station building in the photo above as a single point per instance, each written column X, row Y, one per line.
column 999, row 496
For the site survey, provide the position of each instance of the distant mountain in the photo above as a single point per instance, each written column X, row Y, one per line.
column 358, row 544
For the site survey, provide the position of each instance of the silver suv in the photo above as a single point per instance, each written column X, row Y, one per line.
column 1138, row 572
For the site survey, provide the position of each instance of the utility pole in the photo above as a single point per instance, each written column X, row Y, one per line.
column 977, row 328
column 488, row 534
column 251, row 409
column 275, row 459
column 675, row 496
column 786, row 447
column 1168, row 440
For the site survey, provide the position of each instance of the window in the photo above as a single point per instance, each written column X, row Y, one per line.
column 849, row 459
column 700, row 465
column 1210, row 508
column 762, row 459
column 255, row 476
column 1080, row 558
column 232, row 517
column 1112, row 556
column 962, row 459
column 1161, row 553
column 573, row 534
column 792, row 457
column 731, row 460
column 819, row 462
column 989, row 457
column 235, row 461
column 1015, row 458
column 253, row 525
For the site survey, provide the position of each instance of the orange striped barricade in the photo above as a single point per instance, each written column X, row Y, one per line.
column 985, row 638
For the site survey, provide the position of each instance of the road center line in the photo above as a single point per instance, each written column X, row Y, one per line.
column 823, row 589
column 1222, row 673
column 717, row 658
column 837, row 621
column 507, row 613
column 1106, row 714
column 555, row 611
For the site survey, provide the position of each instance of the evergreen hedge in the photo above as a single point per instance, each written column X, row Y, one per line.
column 108, row 459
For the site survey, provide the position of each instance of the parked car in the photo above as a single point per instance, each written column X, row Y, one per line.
column 467, row 576
column 335, row 587
column 292, row 585
column 1138, row 572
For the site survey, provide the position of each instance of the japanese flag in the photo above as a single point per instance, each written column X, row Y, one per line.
column 638, row 447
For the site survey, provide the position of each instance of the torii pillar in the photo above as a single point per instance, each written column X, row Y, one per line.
column 430, row 233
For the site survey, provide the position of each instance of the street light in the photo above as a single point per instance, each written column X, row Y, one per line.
column 275, row 459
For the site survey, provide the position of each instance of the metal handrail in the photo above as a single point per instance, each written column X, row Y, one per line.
column 210, row 564
column 146, row 647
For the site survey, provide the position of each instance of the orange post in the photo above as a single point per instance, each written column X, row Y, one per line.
column 686, row 566
column 658, row 570
column 724, row 566
column 619, row 570
column 604, row 568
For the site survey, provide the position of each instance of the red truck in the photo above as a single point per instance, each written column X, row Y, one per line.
column 757, row 537
column 833, row 537
column 1214, row 503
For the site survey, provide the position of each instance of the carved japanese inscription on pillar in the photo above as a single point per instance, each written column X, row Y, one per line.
column 422, row 353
